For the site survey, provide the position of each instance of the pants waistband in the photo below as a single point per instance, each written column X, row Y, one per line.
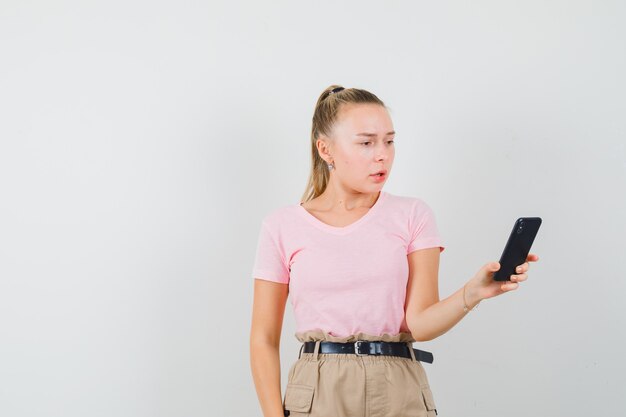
column 365, row 347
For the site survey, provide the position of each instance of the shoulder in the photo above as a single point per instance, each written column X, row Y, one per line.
column 409, row 203
column 279, row 216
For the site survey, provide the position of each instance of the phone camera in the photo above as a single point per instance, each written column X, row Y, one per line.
column 519, row 230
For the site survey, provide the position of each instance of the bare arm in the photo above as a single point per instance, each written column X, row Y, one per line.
column 427, row 317
column 267, row 322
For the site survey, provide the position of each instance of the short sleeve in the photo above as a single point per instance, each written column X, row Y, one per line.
column 269, row 263
column 423, row 228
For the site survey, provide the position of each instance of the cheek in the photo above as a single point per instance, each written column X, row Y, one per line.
column 359, row 159
column 365, row 153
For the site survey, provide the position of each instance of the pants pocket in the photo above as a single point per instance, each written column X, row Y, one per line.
column 298, row 398
column 429, row 400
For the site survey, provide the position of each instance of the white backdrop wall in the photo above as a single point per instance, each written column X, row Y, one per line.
column 142, row 142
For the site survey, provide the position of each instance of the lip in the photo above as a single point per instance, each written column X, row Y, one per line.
column 383, row 171
column 379, row 178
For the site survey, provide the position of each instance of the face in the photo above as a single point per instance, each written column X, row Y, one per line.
column 362, row 143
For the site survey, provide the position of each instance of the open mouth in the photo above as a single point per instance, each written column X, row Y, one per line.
column 379, row 176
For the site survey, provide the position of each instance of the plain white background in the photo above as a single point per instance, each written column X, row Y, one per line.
column 142, row 142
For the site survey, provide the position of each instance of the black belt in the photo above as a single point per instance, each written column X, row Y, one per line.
column 364, row 347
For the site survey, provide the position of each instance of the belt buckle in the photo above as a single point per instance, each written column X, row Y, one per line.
column 356, row 348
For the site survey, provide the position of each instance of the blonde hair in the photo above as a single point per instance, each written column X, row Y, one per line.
column 324, row 117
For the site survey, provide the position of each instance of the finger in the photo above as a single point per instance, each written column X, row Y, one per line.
column 523, row 267
column 490, row 268
column 532, row 257
column 509, row 286
column 519, row 277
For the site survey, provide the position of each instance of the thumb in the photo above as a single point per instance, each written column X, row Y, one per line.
column 494, row 266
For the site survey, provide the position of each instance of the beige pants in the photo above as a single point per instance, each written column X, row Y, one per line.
column 347, row 385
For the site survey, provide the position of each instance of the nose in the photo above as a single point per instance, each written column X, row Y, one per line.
column 382, row 153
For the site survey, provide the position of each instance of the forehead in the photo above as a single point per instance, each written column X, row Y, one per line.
column 363, row 117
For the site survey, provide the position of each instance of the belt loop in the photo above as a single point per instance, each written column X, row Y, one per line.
column 316, row 350
column 301, row 348
column 411, row 351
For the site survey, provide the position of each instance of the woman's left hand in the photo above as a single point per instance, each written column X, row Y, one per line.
column 483, row 286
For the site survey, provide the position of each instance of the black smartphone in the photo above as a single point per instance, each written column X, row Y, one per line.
column 517, row 247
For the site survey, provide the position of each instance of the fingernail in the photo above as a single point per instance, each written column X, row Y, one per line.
column 519, row 268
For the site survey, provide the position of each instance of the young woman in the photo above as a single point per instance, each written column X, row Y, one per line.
column 361, row 266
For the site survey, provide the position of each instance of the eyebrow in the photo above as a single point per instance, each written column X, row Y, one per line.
column 374, row 134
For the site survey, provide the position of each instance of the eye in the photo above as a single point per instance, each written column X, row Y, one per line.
column 366, row 143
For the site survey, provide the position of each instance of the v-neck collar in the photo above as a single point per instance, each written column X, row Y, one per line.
column 343, row 229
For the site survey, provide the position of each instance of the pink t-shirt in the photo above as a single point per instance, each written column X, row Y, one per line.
column 346, row 280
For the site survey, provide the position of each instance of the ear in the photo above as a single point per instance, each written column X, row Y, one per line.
column 323, row 144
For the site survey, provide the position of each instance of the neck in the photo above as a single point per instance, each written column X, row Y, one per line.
column 343, row 200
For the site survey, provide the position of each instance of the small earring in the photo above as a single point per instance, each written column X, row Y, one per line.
column 331, row 166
